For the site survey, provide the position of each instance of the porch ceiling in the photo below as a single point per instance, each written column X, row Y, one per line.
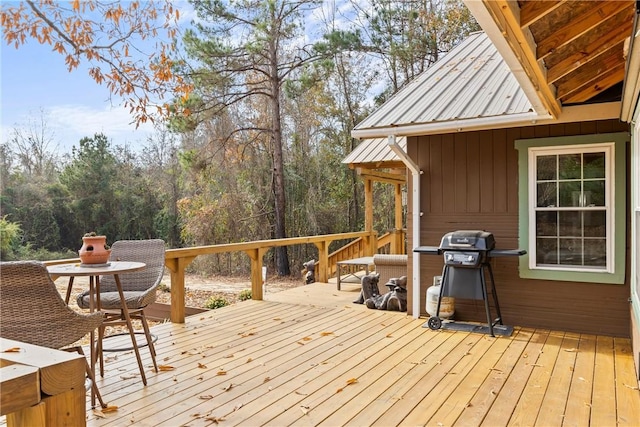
column 572, row 52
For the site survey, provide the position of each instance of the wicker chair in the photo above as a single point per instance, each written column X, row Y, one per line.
column 34, row 312
column 139, row 290
column 389, row 266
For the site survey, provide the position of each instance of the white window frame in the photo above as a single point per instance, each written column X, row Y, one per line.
column 609, row 208
column 616, row 232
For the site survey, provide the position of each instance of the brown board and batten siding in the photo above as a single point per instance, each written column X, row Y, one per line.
column 470, row 181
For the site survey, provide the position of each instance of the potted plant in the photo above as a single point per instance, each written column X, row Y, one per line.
column 94, row 249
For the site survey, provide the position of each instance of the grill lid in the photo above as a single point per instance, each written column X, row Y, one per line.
column 468, row 239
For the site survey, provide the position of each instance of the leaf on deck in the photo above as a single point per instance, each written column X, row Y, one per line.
column 221, row 372
column 324, row 334
column 13, row 350
column 214, row 419
column 227, row 388
column 304, row 409
column 202, row 365
column 205, row 397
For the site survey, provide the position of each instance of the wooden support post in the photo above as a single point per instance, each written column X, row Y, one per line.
column 177, row 267
column 368, row 205
column 256, row 271
column 398, row 242
column 322, row 271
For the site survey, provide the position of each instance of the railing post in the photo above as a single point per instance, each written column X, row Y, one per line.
column 323, row 261
column 177, row 267
column 256, row 271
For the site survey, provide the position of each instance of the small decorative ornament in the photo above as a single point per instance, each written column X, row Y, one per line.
column 94, row 249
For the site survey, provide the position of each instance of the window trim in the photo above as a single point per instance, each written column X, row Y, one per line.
column 616, row 275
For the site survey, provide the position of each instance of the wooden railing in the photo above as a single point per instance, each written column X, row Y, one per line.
column 176, row 260
column 364, row 244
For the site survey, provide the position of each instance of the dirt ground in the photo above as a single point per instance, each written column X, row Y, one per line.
column 198, row 289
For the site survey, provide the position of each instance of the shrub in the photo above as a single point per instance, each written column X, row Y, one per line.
column 216, row 302
column 244, row 295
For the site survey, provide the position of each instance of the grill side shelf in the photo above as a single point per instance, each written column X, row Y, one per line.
column 428, row 250
column 506, row 252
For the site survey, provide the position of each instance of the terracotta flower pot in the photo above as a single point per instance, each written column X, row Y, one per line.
column 93, row 250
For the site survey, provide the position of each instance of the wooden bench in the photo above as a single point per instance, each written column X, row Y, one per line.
column 41, row 386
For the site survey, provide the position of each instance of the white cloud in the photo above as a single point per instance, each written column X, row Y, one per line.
column 74, row 122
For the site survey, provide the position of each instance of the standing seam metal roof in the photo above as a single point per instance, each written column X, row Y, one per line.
column 471, row 81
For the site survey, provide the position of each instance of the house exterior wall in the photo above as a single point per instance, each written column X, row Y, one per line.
column 470, row 181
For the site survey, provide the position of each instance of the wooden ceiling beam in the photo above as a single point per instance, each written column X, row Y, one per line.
column 586, row 22
column 598, row 85
column 391, row 178
column 592, row 45
column 588, row 73
column 531, row 11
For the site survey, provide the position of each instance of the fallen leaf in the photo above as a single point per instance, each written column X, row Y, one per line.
column 13, row 350
column 205, row 397
column 301, row 394
column 110, row 408
column 277, row 318
column 214, row 419
column 266, row 379
column 128, row 376
column 307, row 339
column 221, row 372
column 249, row 360
column 227, row 388
column 165, row 368
column 389, row 336
column 352, row 381
column 304, row 409
column 339, row 390
column 570, row 350
column 202, row 365
column 98, row 413
column 324, row 334
column 238, row 406
column 228, row 356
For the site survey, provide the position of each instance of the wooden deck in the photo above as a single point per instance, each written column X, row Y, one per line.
column 308, row 356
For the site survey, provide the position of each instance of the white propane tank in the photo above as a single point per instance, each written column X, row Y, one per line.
column 447, row 308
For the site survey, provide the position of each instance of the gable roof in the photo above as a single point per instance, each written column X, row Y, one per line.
column 470, row 85
column 376, row 153
column 566, row 51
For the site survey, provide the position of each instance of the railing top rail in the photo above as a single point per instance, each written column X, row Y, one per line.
column 271, row 243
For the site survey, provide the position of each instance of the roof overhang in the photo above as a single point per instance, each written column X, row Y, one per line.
column 578, row 113
column 500, row 20
column 631, row 91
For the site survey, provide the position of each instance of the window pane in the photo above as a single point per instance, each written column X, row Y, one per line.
column 570, row 224
column 569, row 193
column 545, row 168
column 570, row 252
column 595, row 224
column 547, row 223
column 594, row 193
column 546, row 251
column 547, row 194
column 593, row 165
column 595, row 253
column 570, row 166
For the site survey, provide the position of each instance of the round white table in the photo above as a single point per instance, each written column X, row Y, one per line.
column 94, row 271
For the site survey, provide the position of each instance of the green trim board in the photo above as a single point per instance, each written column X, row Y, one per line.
column 620, row 141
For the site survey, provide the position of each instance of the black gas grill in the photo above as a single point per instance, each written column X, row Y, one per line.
column 467, row 255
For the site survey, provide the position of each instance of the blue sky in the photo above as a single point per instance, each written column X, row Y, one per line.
column 35, row 83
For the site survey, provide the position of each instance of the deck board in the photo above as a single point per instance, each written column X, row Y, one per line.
column 310, row 357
